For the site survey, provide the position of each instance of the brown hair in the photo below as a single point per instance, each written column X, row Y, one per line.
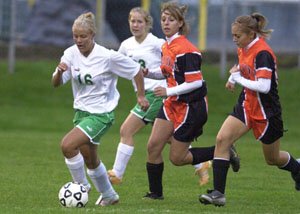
column 178, row 13
column 147, row 17
column 256, row 23
column 86, row 20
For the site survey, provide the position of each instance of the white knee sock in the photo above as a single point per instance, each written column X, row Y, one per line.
column 76, row 167
column 100, row 180
column 124, row 153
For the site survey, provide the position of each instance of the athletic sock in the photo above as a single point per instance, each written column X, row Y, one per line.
column 292, row 165
column 202, row 154
column 76, row 168
column 100, row 180
column 220, row 169
column 155, row 172
column 124, row 153
column 198, row 166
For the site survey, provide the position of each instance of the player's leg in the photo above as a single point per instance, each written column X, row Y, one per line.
column 271, row 149
column 283, row 160
column 129, row 128
column 97, row 173
column 100, row 179
column 73, row 158
column 231, row 130
column 161, row 132
column 179, row 153
column 94, row 126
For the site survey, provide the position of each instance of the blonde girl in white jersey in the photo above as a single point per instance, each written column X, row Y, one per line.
column 145, row 48
column 93, row 71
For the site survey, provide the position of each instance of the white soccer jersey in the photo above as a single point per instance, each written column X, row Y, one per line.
column 148, row 54
column 94, row 78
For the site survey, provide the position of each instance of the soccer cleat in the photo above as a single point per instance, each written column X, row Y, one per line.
column 107, row 201
column 153, row 196
column 213, row 197
column 203, row 173
column 296, row 178
column 113, row 178
column 234, row 159
column 88, row 187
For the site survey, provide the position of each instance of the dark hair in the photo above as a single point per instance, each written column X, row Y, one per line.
column 256, row 23
column 178, row 13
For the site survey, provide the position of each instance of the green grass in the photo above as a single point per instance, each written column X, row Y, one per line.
column 35, row 117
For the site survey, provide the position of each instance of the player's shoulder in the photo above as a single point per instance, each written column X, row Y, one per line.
column 182, row 45
column 128, row 42
column 154, row 39
column 100, row 51
column 71, row 50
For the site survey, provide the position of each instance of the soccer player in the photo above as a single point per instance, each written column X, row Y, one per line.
column 258, row 107
column 145, row 48
column 183, row 114
column 94, row 71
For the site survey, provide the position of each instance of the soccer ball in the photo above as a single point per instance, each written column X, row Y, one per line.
column 73, row 194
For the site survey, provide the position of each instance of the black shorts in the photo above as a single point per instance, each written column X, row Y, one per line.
column 267, row 131
column 188, row 118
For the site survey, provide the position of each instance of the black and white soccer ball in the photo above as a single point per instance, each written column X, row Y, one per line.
column 73, row 194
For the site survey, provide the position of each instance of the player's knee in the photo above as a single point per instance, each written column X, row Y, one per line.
column 151, row 147
column 64, row 148
column 176, row 161
column 219, row 138
column 271, row 161
column 67, row 149
column 124, row 132
column 222, row 139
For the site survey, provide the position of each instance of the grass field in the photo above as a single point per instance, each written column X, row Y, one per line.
column 35, row 117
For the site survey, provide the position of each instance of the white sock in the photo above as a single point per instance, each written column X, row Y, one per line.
column 76, row 167
column 100, row 180
column 124, row 153
column 197, row 166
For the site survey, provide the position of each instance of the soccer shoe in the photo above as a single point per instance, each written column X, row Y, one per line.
column 203, row 173
column 234, row 159
column 107, row 201
column 88, row 187
column 153, row 196
column 113, row 178
column 213, row 197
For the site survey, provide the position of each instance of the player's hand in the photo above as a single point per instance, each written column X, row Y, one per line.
column 160, row 91
column 229, row 86
column 234, row 69
column 62, row 67
column 145, row 71
column 143, row 102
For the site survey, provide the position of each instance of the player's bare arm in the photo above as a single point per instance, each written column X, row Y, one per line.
column 142, row 101
column 57, row 77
